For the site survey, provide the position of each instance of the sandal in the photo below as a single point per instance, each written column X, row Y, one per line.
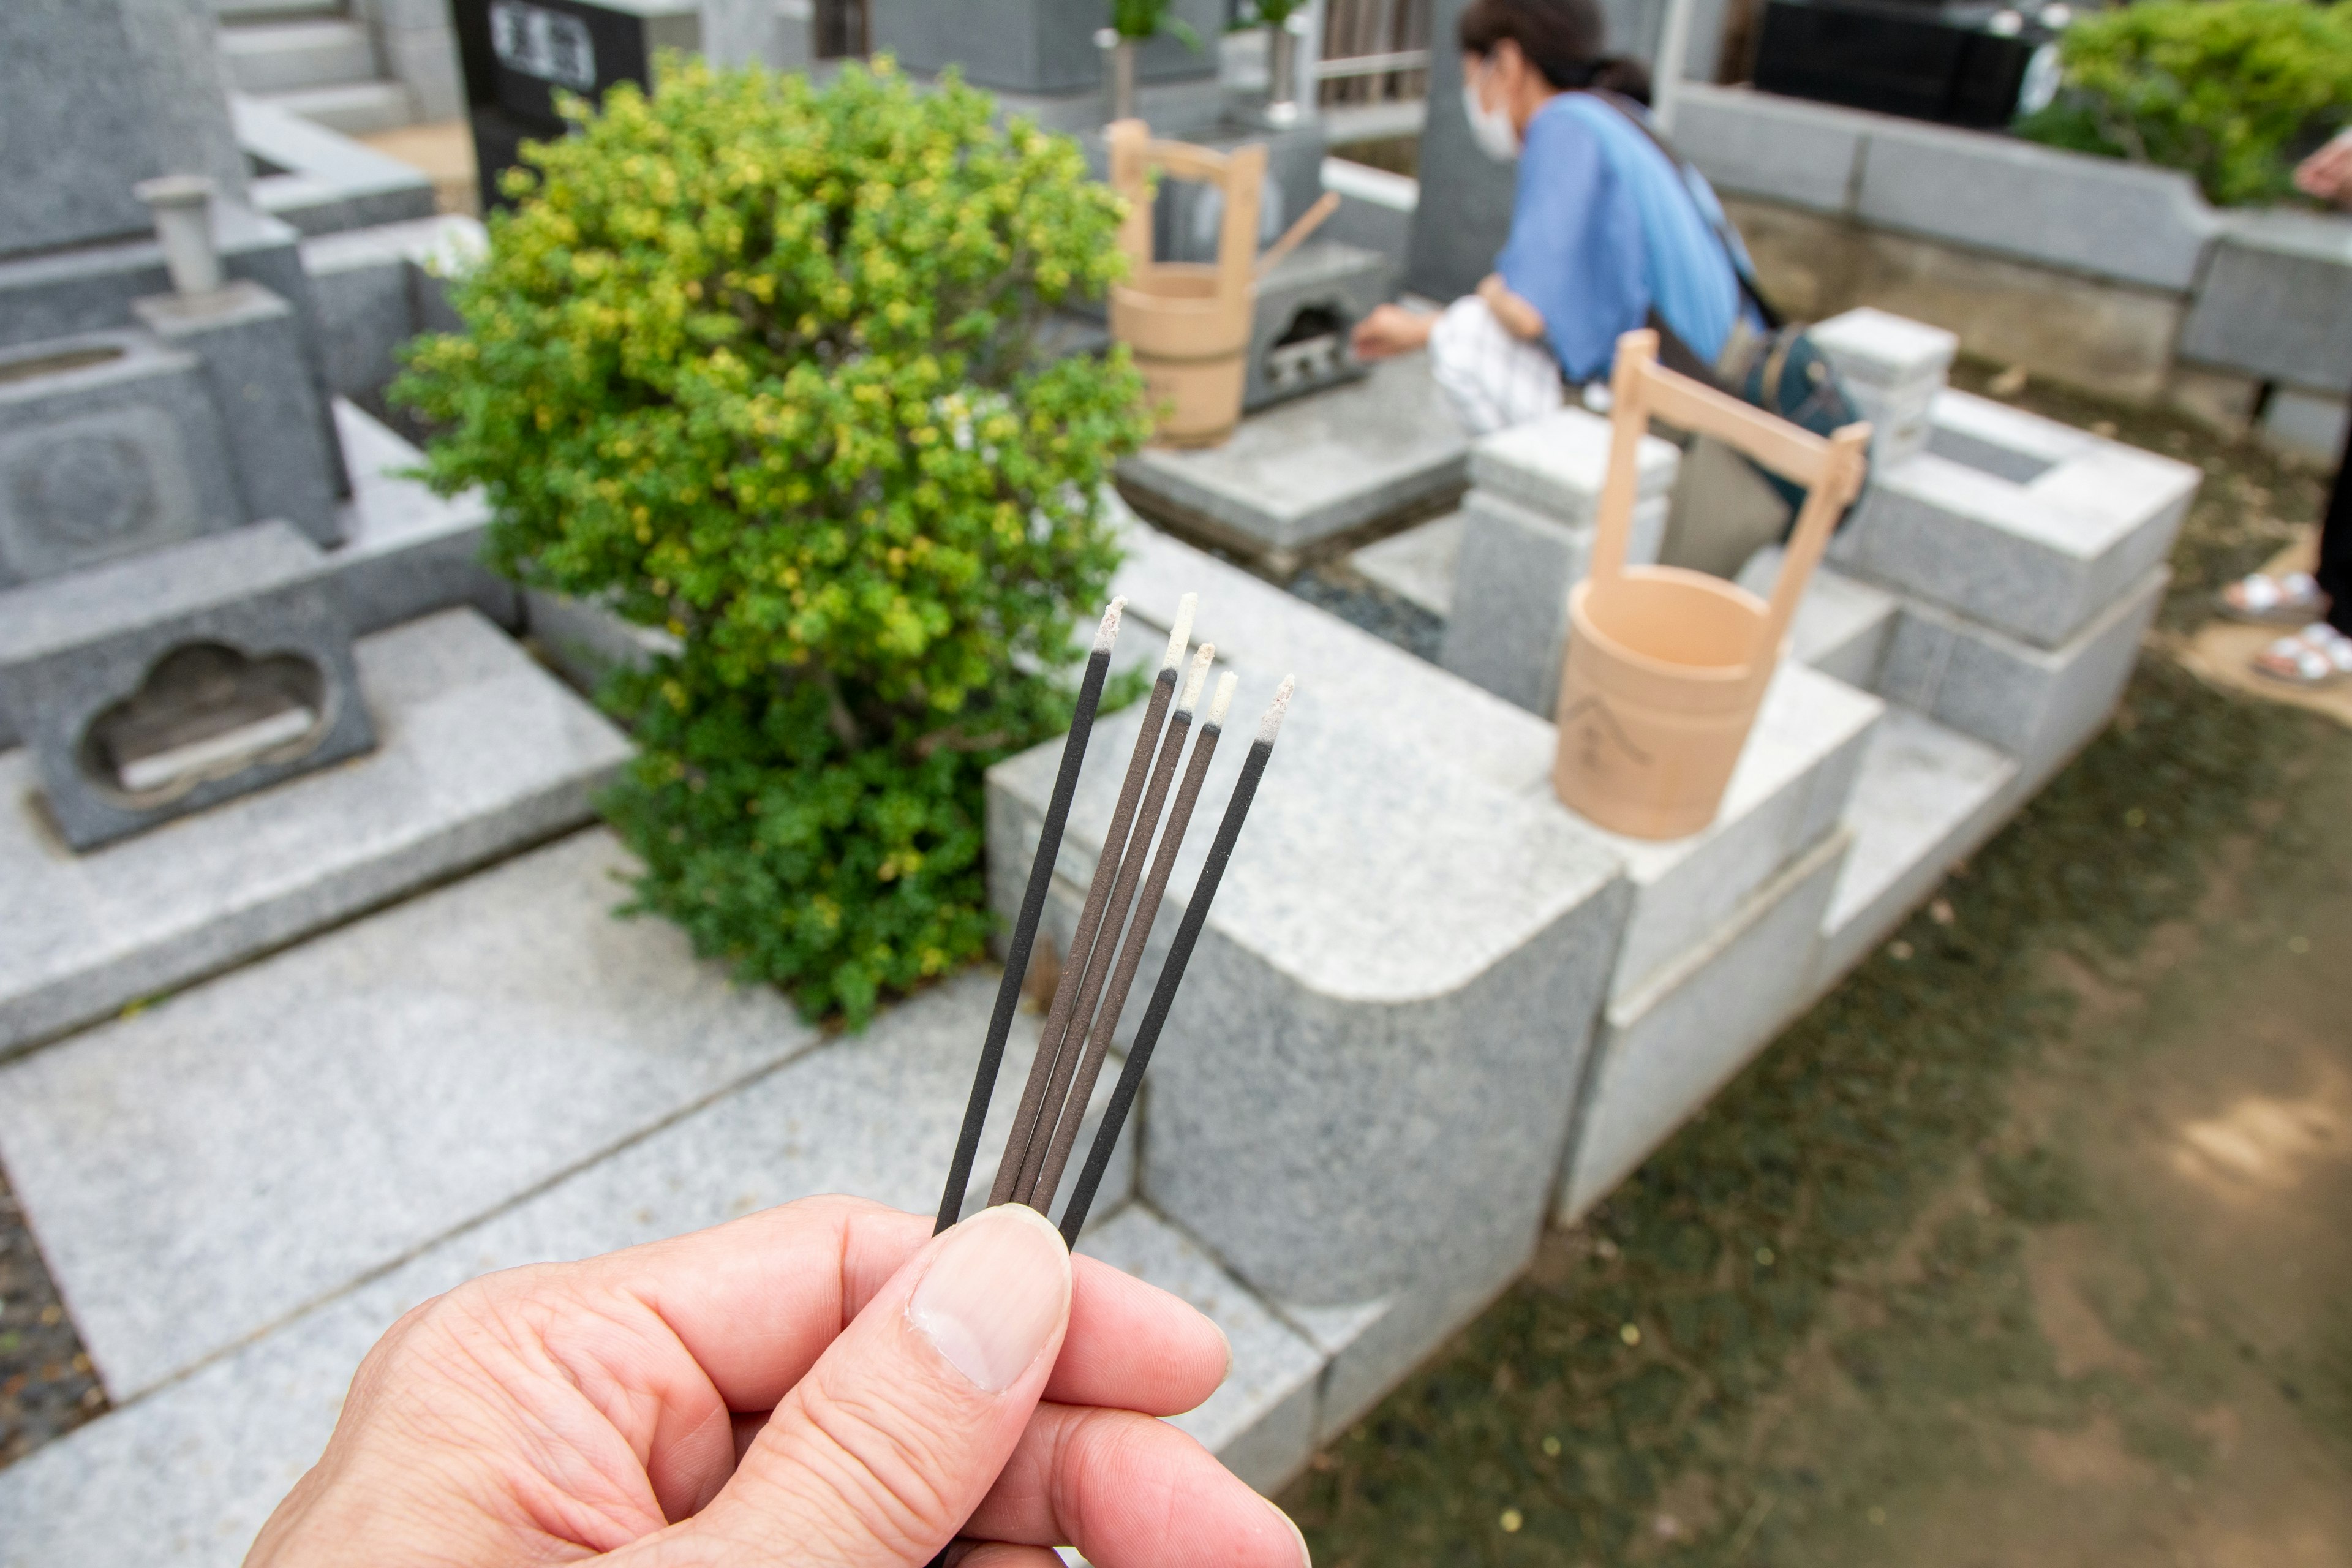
column 2293, row 598
column 2316, row 655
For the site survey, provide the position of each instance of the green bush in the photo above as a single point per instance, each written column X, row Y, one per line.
column 2229, row 90
column 757, row 362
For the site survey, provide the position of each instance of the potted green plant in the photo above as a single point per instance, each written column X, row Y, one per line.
column 756, row 362
column 1133, row 24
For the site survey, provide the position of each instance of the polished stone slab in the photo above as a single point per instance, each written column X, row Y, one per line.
column 479, row 752
column 1311, row 470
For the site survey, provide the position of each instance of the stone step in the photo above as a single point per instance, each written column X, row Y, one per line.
column 1927, row 797
column 355, row 109
column 184, row 1474
column 478, row 752
column 2026, row 526
column 1665, row 1048
column 1419, row 564
column 1305, row 475
column 289, row 56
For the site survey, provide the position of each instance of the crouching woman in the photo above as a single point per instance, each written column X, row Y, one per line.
column 1608, row 232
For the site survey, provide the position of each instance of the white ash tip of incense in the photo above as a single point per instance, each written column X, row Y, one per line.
column 1224, row 697
column 1273, row 720
column 1192, row 682
column 1108, row 632
column 1181, row 634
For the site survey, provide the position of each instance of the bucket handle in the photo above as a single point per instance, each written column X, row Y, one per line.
column 1831, row 469
column 1240, row 174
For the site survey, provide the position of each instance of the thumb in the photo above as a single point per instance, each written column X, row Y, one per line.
column 882, row 1451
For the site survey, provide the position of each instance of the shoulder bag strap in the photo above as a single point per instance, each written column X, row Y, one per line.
column 1773, row 319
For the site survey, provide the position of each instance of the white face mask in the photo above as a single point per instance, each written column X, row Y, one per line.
column 1489, row 128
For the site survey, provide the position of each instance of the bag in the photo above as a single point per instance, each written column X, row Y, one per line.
column 1780, row 371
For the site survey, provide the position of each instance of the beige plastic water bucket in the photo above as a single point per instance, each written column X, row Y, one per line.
column 1187, row 323
column 1666, row 668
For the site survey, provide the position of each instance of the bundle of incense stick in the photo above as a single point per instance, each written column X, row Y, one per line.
column 1114, row 925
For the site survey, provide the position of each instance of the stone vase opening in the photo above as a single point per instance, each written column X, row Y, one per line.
column 205, row 711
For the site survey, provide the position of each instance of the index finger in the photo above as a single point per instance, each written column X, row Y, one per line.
column 756, row 1300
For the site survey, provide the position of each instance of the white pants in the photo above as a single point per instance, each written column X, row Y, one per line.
column 1492, row 380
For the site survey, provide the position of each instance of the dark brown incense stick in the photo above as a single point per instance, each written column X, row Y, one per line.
column 1057, row 1017
column 1040, row 1196
column 1033, row 907
column 1171, row 974
column 1114, row 921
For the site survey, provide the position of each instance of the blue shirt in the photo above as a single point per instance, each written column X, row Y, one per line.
column 1604, row 227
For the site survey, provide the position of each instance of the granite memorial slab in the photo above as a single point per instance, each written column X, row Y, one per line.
column 1556, row 464
column 1419, row 564
column 1794, row 786
column 1842, row 627
column 1513, row 573
column 1262, row 1421
column 407, row 551
column 2277, row 300
column 1398, row 938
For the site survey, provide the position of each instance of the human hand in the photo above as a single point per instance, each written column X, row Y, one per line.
column 1389, row 331
column 2327, row 173
column 820, row 1384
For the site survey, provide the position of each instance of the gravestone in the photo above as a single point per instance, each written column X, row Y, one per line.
column 99, row 95
column 171, row 636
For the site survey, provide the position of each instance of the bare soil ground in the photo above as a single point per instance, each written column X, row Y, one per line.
column 2029, row 1246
